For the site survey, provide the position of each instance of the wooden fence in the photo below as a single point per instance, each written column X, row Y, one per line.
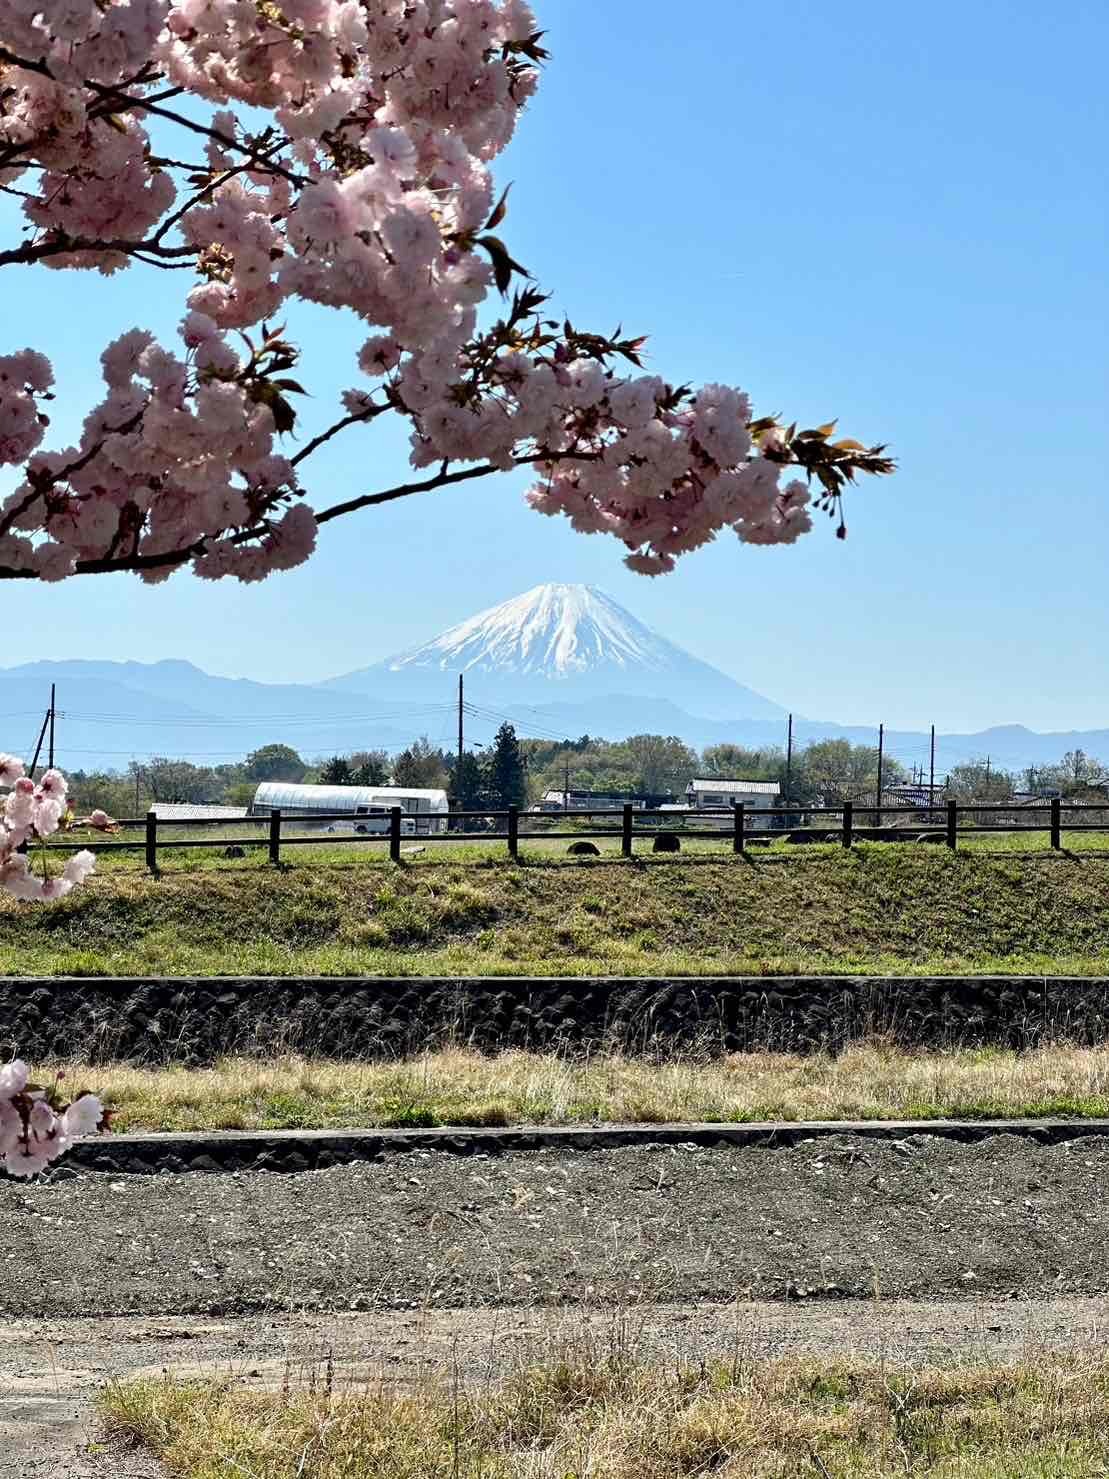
column 744, row 826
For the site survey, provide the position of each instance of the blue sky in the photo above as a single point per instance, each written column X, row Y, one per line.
column 894, row 215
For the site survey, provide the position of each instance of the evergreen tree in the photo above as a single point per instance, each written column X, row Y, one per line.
column 421, row 767
column 506, row 775
column 369, row 768
column 468, row 783
column 336, row 772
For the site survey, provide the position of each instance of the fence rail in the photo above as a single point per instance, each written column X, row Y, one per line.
column 744, row 825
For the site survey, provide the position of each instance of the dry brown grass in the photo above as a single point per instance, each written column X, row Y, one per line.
column 465, row 1088
column 602, row 1414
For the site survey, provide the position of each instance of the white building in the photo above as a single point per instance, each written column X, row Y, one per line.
column 182, row 811
column 714, row 794
column 588, row 801
column 367, row 806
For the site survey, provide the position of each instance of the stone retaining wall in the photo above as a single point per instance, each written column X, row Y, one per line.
column 194, row 1021
column 291, row 1151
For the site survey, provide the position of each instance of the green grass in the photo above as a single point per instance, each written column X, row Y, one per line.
column 606, row 1415
column 881, row 908
column 461, row 1087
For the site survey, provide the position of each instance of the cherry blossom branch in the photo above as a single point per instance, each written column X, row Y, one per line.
column 217, row 136
column 31, row 253
column 386, row 131
column 356, row 418
column 442, row 479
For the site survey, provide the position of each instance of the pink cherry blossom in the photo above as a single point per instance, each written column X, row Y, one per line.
column 340, row 154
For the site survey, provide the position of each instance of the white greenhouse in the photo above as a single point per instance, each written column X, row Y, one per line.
column 367, row 806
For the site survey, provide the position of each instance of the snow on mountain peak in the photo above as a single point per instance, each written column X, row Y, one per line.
column 557, row 631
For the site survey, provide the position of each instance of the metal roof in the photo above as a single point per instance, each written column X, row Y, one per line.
column 181, row 811
column 344, row 798
column 752, row 788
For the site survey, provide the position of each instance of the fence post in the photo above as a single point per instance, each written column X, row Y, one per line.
column 626, row 831
column 152, row 840
column 952, row 824
column 1056, row 824
column 739, row 820
column 275, row 835
column 513, row 832
column 394, row 834
column 848, row 822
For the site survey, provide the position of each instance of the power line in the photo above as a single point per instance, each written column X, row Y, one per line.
column 529, row 727
column 216, row 722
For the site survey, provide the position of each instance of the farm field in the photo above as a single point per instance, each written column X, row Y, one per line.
column 459, row 1087
column 880, row 908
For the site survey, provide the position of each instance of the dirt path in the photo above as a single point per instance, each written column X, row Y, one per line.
column 908, row 1249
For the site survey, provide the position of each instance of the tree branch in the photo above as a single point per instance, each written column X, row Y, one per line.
column 355, row 419
column 442, row 479
column 217, row 136
column 30, row 253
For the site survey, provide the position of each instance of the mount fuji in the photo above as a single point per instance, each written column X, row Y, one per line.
column 559, row 661
column 559, row 644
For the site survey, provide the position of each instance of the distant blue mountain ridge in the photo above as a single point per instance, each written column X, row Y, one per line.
column 560, row 661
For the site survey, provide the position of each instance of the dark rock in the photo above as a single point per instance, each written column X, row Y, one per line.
column 234, row 851
column 584, row 849
column 667, row 842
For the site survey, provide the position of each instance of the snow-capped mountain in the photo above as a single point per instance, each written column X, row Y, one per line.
column 559, row 643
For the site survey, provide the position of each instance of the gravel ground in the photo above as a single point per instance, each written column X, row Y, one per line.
column 908, row 1249
column 920, row 1218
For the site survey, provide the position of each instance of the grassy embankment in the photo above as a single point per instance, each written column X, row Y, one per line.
column 883, row 908
column 615, row 1418
column 458, row 1087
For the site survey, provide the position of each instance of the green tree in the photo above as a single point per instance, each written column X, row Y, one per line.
column 737, row 762
column 468, row 788
column 107, row 791
column 978, row 780
column 421, row 767
column 275, row 763
column 335, row 772
column 368, row 768
column 505, row 772
column 837, row 766
column 164, row 779
column 660, row 763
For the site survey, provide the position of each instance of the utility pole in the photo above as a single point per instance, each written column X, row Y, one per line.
column 987, row 777
column 42, row 736
column 566, row 788
column 789, row 762
column 461, row 712
column 881, row 753
column 932, row 771
column 51, row 746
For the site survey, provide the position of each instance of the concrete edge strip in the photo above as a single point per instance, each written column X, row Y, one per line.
column 289, row 1151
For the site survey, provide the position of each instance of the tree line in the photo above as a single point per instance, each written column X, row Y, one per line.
column 519, row 772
